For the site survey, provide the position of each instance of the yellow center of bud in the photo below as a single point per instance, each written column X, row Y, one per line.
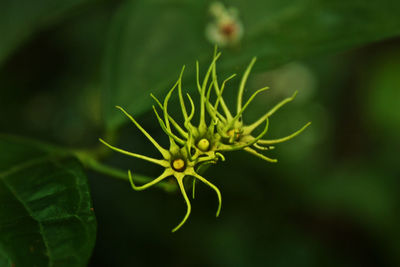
column 233, row 134
column 203, row 144
column 178, row 164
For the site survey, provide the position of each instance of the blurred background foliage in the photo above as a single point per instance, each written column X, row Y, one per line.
column 332, row 199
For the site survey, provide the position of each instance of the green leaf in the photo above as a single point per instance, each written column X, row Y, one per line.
column 148, row 44
column 46, row 215
column 364, row 194
column 150, row 41
column 19, row 19
column 383, row 96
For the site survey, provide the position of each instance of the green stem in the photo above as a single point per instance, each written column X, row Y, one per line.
column 90, row 159
column 91, row 163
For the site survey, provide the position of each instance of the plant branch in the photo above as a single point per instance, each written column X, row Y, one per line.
column 91, row 163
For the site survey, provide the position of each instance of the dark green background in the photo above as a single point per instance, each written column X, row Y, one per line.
column 331, row 200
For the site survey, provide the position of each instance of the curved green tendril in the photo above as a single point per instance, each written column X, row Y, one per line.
column 162, row 150
column 243, row 83
column 284, row 139
column 188, row 206
column 240, row 112
column 192, row 108
column 213, row 187
column 168, row 132
column 270, row 112
column 263, row 147
column 173, row 122
column 164, row 175
column 149, row 159
column 261, row 156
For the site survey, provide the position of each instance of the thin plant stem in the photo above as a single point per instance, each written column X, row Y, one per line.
column 102, row 168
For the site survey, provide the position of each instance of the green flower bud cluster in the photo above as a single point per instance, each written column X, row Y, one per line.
column 218, row 131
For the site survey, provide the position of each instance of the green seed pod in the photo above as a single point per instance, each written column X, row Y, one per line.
column 203, row 144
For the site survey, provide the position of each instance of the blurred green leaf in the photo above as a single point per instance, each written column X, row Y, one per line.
column 151, row 40
column 364, row 194
column 19, row 19
column 148, row 44
column 383, row 96
column 46, row 215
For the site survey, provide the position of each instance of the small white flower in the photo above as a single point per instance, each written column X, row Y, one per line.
column 226, row 29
